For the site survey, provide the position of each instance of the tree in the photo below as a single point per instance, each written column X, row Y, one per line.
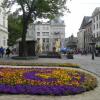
column 32, row 9
column 14, row 28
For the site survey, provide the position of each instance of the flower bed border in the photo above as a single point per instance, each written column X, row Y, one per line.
column 40, row 64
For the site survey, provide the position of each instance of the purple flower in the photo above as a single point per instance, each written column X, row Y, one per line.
column 31, row 75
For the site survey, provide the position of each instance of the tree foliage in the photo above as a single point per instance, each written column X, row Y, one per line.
column 32, row 9
column 38, row 8
column 14, row 28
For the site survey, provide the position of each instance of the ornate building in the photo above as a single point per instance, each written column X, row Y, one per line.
column 3, row 27
column 49, row 35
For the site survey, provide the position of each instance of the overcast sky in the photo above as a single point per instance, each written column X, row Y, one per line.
column 79, row 9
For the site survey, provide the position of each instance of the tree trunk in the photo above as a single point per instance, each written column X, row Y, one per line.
column 23, row 52
column 25, row 21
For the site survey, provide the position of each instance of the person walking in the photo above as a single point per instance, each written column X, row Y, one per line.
column 1, row 52
column 8, row 51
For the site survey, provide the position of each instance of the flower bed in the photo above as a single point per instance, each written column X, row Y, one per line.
column 45, row 81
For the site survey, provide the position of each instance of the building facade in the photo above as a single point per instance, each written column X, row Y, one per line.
column 48, row 35
column 96, row 25
column 85, row 35
column 80, row 36
column 88, row 36
column 3, row 27
column 71, row 42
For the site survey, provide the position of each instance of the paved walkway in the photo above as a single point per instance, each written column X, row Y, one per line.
column 85, row 62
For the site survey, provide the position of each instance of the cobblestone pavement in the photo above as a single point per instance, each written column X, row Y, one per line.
column 85, row 62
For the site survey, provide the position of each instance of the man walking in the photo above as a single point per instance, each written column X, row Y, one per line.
column 8, row 51
column 1, row 52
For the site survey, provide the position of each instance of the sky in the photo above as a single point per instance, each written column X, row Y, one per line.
column 79, row 9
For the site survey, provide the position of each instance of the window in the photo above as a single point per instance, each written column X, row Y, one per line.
column 45, row 33
column 94, row 26
column 43, row 47
column 94, row 20
column 47, row 40
column 90, row 29
column 45, row 27
column 97, row 26
column 97, row 34
column 43, row 39
column 47, row 47
column 94, row 34
column 97, row 18
column 4, row 41
column 38, row 33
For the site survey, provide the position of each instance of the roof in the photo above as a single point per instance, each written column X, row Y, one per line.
column 86, row 20
column 57, row 21
column 96, row 11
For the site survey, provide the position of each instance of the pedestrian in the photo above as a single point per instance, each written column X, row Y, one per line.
column 1, row 52
column 8, row 51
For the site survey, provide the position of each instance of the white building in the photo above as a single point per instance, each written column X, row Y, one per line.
column 85, row 34
column 96, row 25
column 80, row 36
column 48, row 35
column 89, row 31
column 3, row 27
